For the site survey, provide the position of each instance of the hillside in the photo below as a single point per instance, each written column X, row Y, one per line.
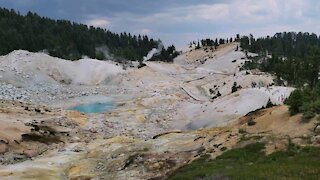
column 163, row 115
column 159, row 90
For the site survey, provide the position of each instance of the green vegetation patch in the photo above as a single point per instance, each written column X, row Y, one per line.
column 250, row 162
column 306, row 101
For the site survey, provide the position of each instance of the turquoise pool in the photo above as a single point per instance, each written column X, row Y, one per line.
column 93, row 107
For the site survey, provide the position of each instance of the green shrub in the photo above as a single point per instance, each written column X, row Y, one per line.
column 307, row 116
column 242, row 131
column 306, row 101
column 223, row 149
column 295, row 101
column 234, row 87
column 316, row 106
column 269, row 104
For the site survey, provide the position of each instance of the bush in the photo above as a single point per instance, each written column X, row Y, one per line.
column 306, row 101
column 242, row 131
column 235, row 87
column 269, row 104
column 223, row 149
column 307, row 116
column 295, row 101
column 316, row 106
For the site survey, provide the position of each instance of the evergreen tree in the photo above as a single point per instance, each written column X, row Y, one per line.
column 234, row 88
column 198, row 45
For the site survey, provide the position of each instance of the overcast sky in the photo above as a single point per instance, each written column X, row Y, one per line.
column 180, row 21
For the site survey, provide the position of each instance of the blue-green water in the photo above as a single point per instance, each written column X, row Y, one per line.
column 93, row 108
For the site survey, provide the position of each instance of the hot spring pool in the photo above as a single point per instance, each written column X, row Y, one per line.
column 93, row 107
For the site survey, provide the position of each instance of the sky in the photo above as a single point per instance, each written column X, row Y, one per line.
column 180, row 21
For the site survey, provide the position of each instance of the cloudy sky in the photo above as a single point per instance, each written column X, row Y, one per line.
column 180, row 21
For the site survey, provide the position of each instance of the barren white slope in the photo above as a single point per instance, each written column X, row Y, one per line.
column 42, row 67
column 179, row 94
column 218, row 75
column 226, row 109
column 225, row 61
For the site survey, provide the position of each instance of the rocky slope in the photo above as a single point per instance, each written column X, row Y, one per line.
column 165, row 116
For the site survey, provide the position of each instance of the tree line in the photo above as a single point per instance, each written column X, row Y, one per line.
column 295, row 57
column 69, row 40
column 211, row 43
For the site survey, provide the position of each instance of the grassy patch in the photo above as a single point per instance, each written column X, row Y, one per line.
column 250, row 162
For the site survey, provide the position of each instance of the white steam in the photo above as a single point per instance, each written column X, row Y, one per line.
column 105, row 51
column 150, row 54
column 154, row 51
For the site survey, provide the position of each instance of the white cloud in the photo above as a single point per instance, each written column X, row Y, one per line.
column 243, row 12
column 269, row 11
column 184, row 23
column 237, row 11
column 98, row 22
column 145, row 31
column 213, row 12
column 249, row 11
column 202, row 12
